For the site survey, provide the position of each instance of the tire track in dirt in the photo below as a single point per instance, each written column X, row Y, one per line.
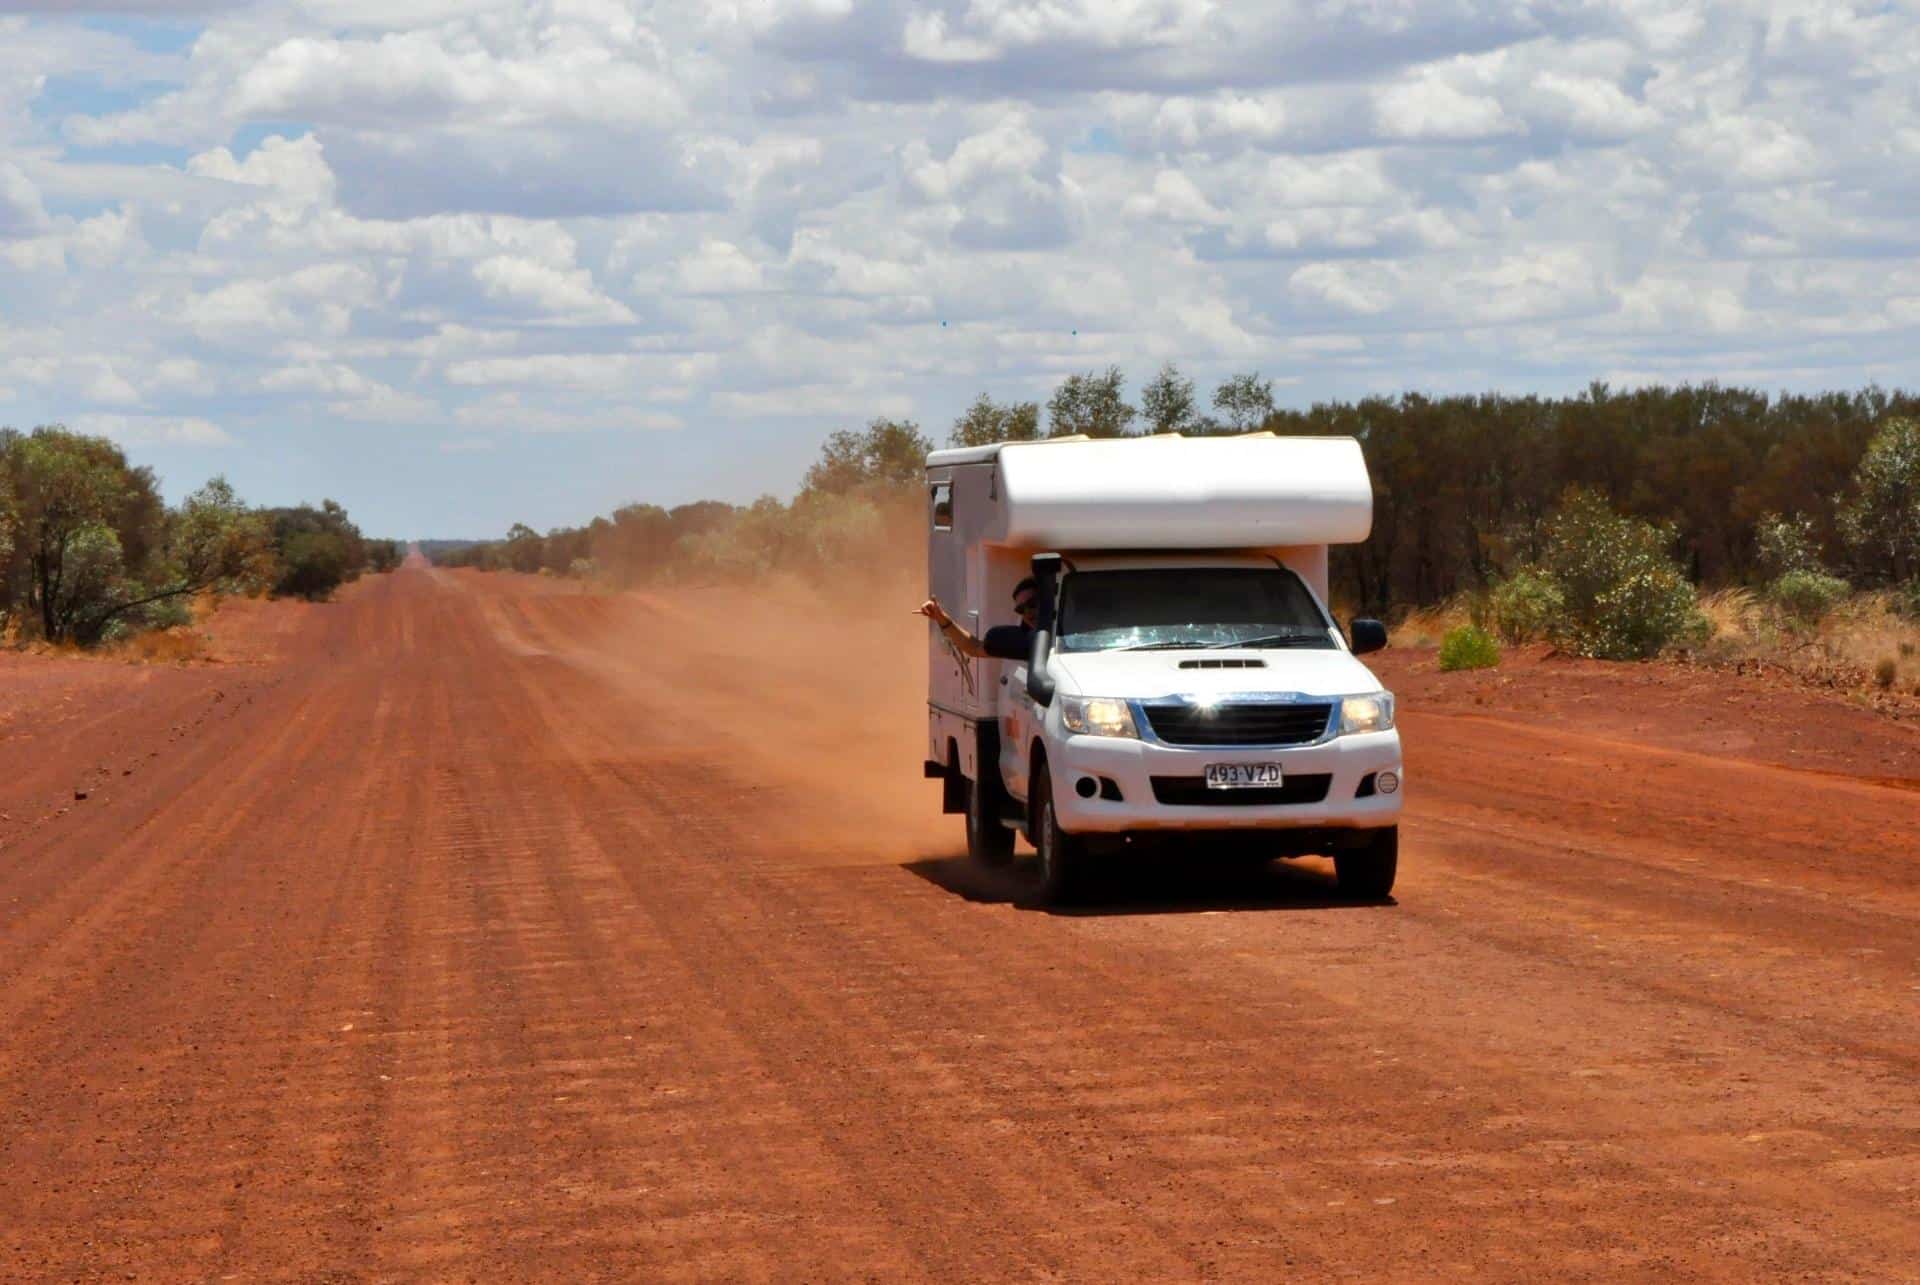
column 88, row 925
column 53, row 850
column 761, row 897
column 204, row 938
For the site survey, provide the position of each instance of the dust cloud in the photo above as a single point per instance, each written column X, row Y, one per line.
column 818, row 692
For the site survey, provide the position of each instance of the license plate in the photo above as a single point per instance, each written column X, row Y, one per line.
column 1242, row 776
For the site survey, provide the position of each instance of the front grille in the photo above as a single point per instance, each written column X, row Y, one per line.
column 1192, row 792
column 1247, row 724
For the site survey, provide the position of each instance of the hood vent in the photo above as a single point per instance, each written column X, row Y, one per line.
column 1224, row 663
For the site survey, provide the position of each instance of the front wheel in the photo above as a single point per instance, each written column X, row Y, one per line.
column 1366, row 874
column 1063, row 857
column 989, row 841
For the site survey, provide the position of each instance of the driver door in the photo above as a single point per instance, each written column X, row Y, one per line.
column 1018, row 725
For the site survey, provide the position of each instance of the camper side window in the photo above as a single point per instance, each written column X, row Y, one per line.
column 943, row 506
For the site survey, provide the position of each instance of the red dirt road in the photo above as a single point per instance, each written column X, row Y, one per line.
column 494, row 931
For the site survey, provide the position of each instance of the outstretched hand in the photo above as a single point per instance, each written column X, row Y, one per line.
column 933, row 611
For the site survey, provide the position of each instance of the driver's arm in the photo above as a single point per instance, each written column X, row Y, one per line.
column 960, row 638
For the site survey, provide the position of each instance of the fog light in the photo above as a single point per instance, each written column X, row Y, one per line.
column 1086, row 787
column 1387, row 782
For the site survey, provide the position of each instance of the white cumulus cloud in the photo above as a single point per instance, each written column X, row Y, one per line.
column 761, row 220
column 154, row 430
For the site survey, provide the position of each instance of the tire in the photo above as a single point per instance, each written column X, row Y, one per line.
column 989, row 841
column 1063, row 857
column 1366, row 874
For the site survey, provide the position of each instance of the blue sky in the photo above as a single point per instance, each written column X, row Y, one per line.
column 460, row 263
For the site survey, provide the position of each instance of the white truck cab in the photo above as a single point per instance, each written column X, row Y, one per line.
column 1185, row 681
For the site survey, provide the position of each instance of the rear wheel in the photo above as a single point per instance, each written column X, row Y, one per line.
column 989, row 841
column 1367, row 873
column 1063, row 857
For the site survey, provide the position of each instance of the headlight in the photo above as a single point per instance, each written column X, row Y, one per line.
column 1366, row 713
column 1097, row 716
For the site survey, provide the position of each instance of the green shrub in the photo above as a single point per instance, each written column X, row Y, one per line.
column 1468, row 647
column 525, row 550
column 1526, row 605
column 1785, row 545
column 719, row 556
column 1881, row 520
column 1626, row 599
column 1906, row 600
column 168, row 613
column 383, row 555
column 1642, row 616
column 1885, row 672
column 312, row 565
column 93, row 569
column 836, row 530
column 1805, row 596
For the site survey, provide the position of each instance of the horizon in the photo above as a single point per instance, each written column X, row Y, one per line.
column 460, row 266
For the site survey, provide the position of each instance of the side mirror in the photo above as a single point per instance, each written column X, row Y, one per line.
column 1366, row 635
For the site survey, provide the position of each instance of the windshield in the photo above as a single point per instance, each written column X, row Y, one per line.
column 1170, row 607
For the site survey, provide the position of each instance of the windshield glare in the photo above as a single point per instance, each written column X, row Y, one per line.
column 1188, row 607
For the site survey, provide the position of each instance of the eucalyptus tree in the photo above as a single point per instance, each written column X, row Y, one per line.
column 1244, row 401
column 1092, row 403
column 987, row 421
column 1167, row 402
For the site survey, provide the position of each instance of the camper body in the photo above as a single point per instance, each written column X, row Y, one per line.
column 1187, row 679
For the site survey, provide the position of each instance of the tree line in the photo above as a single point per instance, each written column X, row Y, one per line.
column 859, row 504
column 1466, row 488
column 89, row 551
column 1094, row 404
column 860, row 501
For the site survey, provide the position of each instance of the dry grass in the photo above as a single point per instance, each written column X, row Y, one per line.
column 1426, row 626
column 1863, row 644
column 1867, row 632
column 59, row 650
column 1737, row 615
column 176, row 646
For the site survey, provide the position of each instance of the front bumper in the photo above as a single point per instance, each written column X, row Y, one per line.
column 1131, row 766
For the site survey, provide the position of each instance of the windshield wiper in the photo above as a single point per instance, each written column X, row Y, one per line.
column 1164, row 646
column 1271, row 640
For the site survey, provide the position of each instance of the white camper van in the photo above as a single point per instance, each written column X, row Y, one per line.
column 1186, row 681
